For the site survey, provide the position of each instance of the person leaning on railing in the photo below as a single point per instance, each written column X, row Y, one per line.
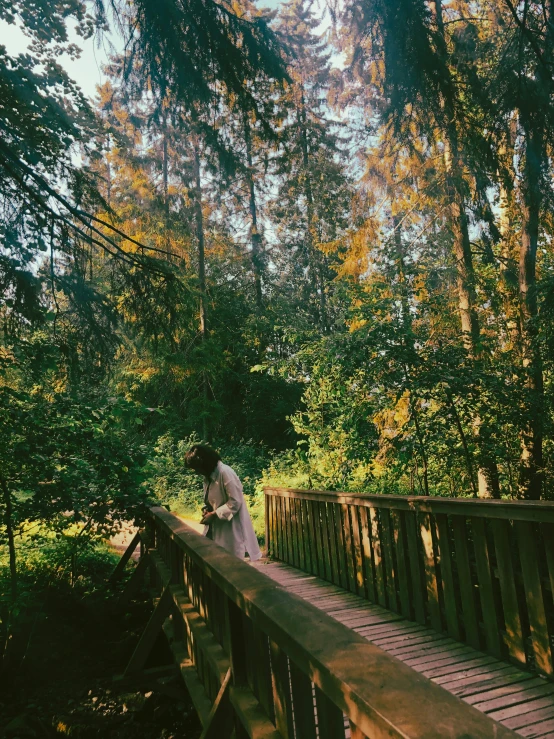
column 225, row 515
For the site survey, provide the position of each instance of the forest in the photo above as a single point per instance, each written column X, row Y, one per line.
column 318, row 237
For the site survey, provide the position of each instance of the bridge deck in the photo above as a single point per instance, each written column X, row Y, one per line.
column 520, row 700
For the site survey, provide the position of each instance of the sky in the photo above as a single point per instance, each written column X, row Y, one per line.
column 86, row 71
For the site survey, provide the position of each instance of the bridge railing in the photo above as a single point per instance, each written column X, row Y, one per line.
column 286, row 669
column 481, row 571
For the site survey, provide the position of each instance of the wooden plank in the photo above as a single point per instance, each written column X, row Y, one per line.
column 451, row 669
column 279, row 527
column 513, row 705
column 448, row 657
column 301, row 534
column 325, row 536
column 150, row 634
column 415, row 567
column 467, row 591
column 321, row 543
column 289, row 528
column 476, row 685
column 398, row 527
column 252, row 722
column 508, row 510
column 447, row 577
column 486, row 595
column 424, row 645
column 263, row 670
column 296, row 533
column 348, row 549
column 547, row 531
column 356, row 733
column 312, row 538
column 367, row 558
column 220, row 719
column 330, row 720
column 533, row 595
column 136, row 580
column 268, row 524
column 491, row 669
column 118, row 571
column 357, row 551
column 507, row 695
column 335, row 575
column 377, row 557
column 386, row 540
column 282, row 699
column 436, row 647
column 528, row 719
column 430, row 572
column 540, row 729
column 306, row 536
column 303, row 703
column 503, row 545
column 339, row 533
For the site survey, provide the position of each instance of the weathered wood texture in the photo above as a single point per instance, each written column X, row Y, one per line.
column 515, row 697
column 479, row 571
column 296, row 672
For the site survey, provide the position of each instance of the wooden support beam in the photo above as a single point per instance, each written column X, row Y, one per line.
column 220, row 720
column 150, row 634
column 116, row 574
column 145, row 678
column 137, row 578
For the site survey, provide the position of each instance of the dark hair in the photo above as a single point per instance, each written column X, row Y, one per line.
column 202, row 458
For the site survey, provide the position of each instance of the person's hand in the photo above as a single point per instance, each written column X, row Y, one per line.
column 207, row 518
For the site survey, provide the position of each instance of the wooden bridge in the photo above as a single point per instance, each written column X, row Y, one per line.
column 374, row 616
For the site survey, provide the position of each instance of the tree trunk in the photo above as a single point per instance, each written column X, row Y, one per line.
column 531, row 461
column 508, row 262
column 203, row 323
column 534, row 122
column 487, row 474
column 315, row 258
column 8, row 522
column 255, row 236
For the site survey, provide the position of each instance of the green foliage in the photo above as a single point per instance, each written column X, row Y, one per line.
column 180, row 489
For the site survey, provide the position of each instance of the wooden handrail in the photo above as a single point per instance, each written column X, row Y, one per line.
column 481, row 571
column 282, row 649
column 514, row 510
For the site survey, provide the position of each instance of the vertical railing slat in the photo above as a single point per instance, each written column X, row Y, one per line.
column 540, row 638
column 377, row 557
column 368, row 560
column 503, row 545
column 415, row 566
column 335, row 576
column 433, row 607
column 467, row 590
column 398, row 535
column 339, row 531
column 330, row 720
column 386, row 538
column 303, row 704
column 282, row 699
column 486, row 595
column 447, row 576
column 348, row 548
column 325, row 543
column 358, row 558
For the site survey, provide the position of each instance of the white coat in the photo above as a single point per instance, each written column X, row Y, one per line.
column 232, row 529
